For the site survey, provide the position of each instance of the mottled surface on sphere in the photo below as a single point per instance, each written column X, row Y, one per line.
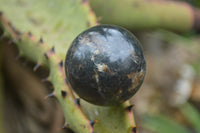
column 105, row 65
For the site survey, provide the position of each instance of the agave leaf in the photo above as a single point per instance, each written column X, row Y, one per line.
column 43, row 31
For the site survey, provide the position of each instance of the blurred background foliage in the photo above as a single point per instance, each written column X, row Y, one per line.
column 168, row 101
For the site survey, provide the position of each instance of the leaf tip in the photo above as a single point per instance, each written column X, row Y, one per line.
column 41, row 40
column 45, row 79
column 93, row 122
column 63, row 93
column 65, row 126
column 129, row 108
column 133, row 130
column 61, row 63
column 52, row 50
column 46, row 56
column 50, row 95
column 36, row 67
column 30, row 34
column 77, row 101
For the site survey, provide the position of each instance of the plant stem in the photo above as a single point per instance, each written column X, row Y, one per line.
column 148, row 14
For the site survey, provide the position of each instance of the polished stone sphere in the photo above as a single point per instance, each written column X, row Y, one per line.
column 105, row 65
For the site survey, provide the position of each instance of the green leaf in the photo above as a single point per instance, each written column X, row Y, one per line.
column 58, row 22
column 192, row 115
column 163, row 124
